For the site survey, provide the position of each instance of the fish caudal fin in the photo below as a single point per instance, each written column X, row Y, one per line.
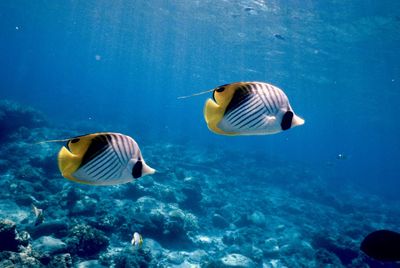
column 68, row 163
column 146, row 170
column 297, row 121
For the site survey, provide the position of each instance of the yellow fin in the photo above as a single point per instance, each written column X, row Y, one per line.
column 68, row 163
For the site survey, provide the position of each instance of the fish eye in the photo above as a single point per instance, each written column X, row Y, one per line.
column 220, row 89
column 75, row 140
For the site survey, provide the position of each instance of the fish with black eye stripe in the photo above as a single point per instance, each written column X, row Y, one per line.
column 249, row 108
column 102, row 159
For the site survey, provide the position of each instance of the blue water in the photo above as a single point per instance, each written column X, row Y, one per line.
column 121, row 65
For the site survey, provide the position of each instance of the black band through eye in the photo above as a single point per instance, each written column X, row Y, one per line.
column 220, row 89
column 75, row 140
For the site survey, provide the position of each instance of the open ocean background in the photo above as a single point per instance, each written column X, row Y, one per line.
column 119, row 66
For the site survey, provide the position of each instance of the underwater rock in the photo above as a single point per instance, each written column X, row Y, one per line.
column 50, row 245
column 61, row 261
column 14, row 116
column 86, row 241
column 233, row 237
column 7, row 263
column 70, row 195
column 168, row 195
column 271, row 248
column 155, row 249
column 275, row 263
column 55, row 228
column 91, row 264
column 175, row 257
column 9, row 259
column 297, row 247
column 257, row 218
column 256, row 254
column 174, row 224
column 344, row 252
column 219, row 222
column 107, row 223
column 325, row 258
column 85, row 206
column 9, row 210
column 45, row 161
column 127, row 257
column 131, row 260
column 146, row 181
column 236, row 260
column 198, row 256
column 164, row 221
column 10, row 239
column 193, row 197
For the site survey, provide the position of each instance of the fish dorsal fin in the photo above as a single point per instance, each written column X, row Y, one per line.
column 51, row 141
column 195, row 94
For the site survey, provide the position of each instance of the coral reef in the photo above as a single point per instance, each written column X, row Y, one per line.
column 86, row 241
column 196, row 213
column 11, row 239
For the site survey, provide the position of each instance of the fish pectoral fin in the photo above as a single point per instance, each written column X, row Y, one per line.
column 269, row 119
column 68, row 163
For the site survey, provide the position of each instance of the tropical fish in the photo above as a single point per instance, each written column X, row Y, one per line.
column 137, row 240
column 249, row 108
column 102, row 159
column 383, row 245
column 38, row 214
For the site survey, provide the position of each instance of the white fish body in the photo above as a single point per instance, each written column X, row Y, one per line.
column 102, row 159
column 249, row 108
column 137, row 240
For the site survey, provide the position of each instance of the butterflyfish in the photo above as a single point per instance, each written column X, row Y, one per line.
column 102, row 159
column 249, row 108
column 38, row 214
column 137, row 240
column 383, row 245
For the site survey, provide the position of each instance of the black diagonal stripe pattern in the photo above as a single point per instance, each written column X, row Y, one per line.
column 250, row 106
column 98, row 145
column 241, row 95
